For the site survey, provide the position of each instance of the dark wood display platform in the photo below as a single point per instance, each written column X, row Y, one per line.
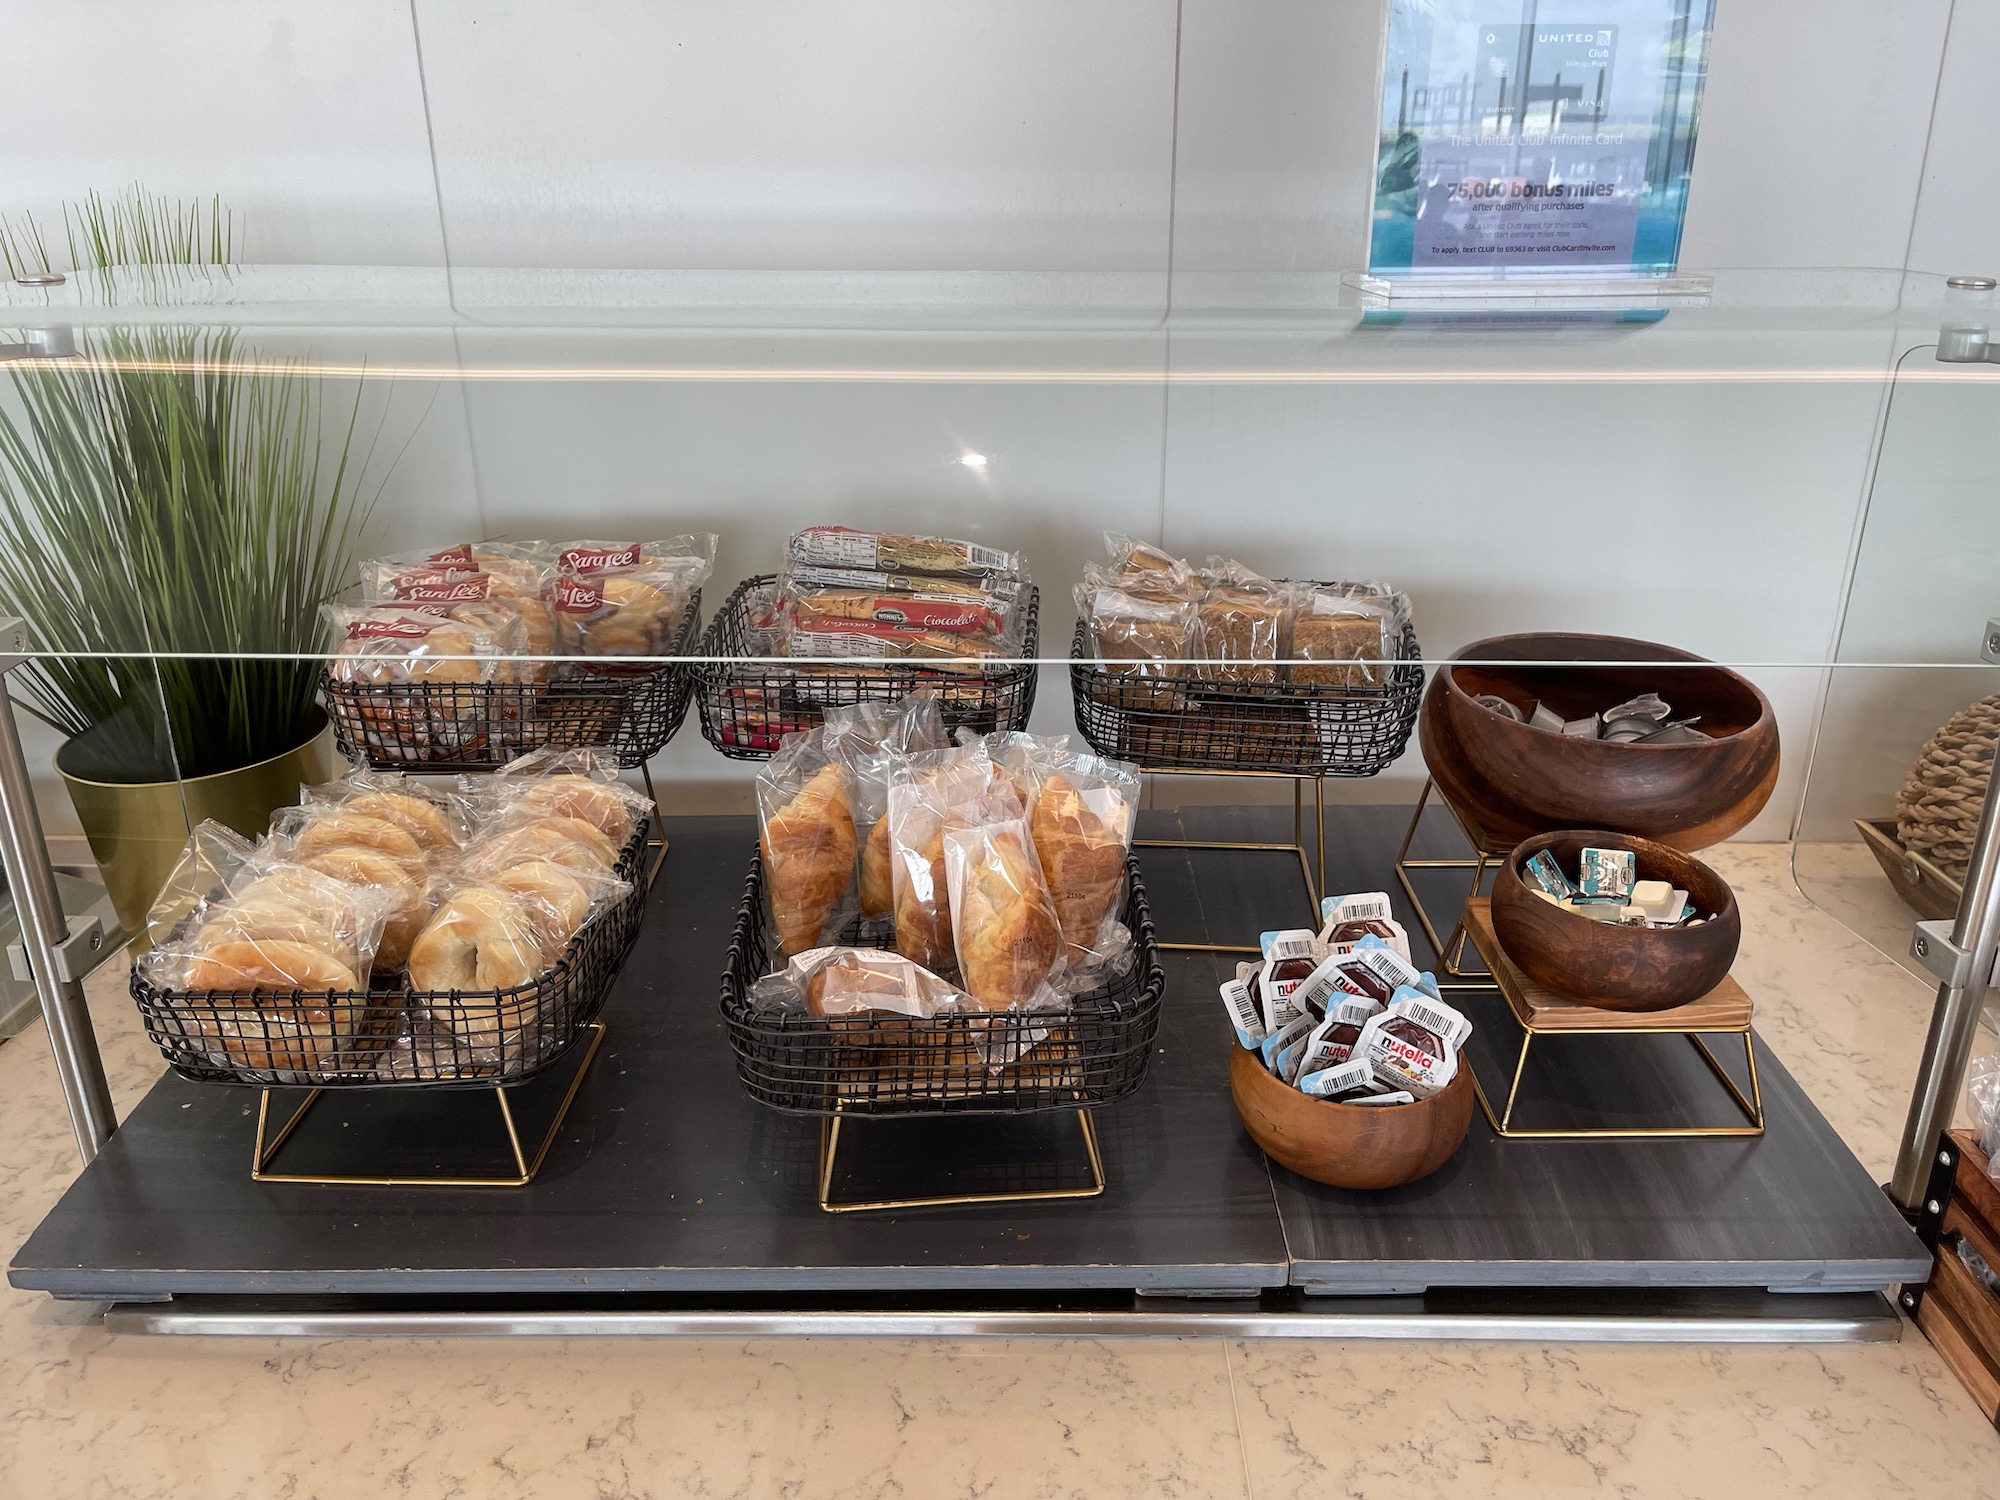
column 667, row 1180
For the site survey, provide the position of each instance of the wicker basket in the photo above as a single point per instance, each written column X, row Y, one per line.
column 628, row 712
column 747, row 709
column 400, row 1038
column 1094, row 1052
column 1193, row 723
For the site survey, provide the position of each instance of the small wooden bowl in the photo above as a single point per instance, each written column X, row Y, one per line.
column 1512, row 781
column 1350, row 1145
column 1600, row 963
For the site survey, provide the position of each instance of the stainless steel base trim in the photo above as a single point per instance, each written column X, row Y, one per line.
column 154, row 1318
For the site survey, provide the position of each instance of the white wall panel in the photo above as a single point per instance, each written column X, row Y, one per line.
column 306, row 116
column 791, row 134
column 1958, row 216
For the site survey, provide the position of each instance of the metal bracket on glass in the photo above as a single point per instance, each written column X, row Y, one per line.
column 42, row 343
column 1989, row 644
column 1964, row 339
column 1931, row 946
column 76, row 957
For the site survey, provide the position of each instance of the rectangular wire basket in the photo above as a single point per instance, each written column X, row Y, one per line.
column 1192, row 723
column 1094, row 1052
column 588, row 703
column 400, row 1038
column 747, row 709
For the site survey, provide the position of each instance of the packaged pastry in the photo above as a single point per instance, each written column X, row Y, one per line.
column 213, row 855
column 832, row 982
column 368, row 849
column 1146, row 638
column 382, row 644
column 1242, row 626
column 478, row 954
column 959, row 608
column 867, row 739
column 924, row 791
column 625, row 598
column 1004, row 589
column 805, row 818
column 1004, row 929
column 1083, row 810
column 1351, row 628
column 885, row 552
column 879, row 641
column 561, row 783
column 458, row 589
column 438, row 823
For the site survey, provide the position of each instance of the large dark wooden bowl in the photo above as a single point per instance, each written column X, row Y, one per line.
column 1350, row 1145
column 1512, row 781
column 1612, row 967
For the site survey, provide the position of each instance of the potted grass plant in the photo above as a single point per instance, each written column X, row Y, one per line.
column 170, row 500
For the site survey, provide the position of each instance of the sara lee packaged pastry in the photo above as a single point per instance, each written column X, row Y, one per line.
column 1009, row 944
column 625, row 599
column 1083, row 810
column 886, row 552
column 1343, row 634
column 394, row 648
column 834, row 982
column 924, row 791
column 805, row 816
column 1139, row 637
column 1242, row 626
column 499, row 593
column 867, row 739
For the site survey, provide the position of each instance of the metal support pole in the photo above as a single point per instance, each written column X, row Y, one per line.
column 45, row 929
column 1974, row 940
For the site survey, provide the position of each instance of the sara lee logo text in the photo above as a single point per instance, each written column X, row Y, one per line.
column 600, row 559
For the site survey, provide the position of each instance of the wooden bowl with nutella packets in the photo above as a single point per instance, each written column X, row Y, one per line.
column 1350, row 1145
column 1603, row 964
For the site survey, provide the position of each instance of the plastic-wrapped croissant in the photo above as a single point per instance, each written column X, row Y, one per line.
column 1009, row 942
column 1083, row 858
column 808, row 846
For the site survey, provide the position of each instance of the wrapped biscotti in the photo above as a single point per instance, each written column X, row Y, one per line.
column 887, row 552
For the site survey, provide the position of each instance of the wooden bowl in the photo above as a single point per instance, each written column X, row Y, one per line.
column 1350, row 1145
column 1612, row 967
column 1512, row 781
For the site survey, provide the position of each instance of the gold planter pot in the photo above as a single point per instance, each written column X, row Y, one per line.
column 138, row 829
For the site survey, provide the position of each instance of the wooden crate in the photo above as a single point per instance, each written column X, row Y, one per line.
column 1959, row 1313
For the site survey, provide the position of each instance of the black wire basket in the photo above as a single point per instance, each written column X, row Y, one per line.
column 588, row 703
column 1094, row 1052
column 1192, row 723
column 400, row 1038
column 748, row 708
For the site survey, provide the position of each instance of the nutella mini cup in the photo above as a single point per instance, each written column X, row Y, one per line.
column 1413, row 1045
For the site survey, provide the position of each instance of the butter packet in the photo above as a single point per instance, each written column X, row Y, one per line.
column 1609, row 872
column 1548, row 876
column 1414, row 1044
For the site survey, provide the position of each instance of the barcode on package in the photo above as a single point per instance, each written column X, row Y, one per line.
column 1294, row 944
column 1387, row 964
column 1242, row 1009
column 1369, row 906
column 1441, row 1023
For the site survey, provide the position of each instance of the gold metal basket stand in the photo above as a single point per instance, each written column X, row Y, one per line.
column 1312, row 870
column 1725, row 1011
column 264, row 1151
